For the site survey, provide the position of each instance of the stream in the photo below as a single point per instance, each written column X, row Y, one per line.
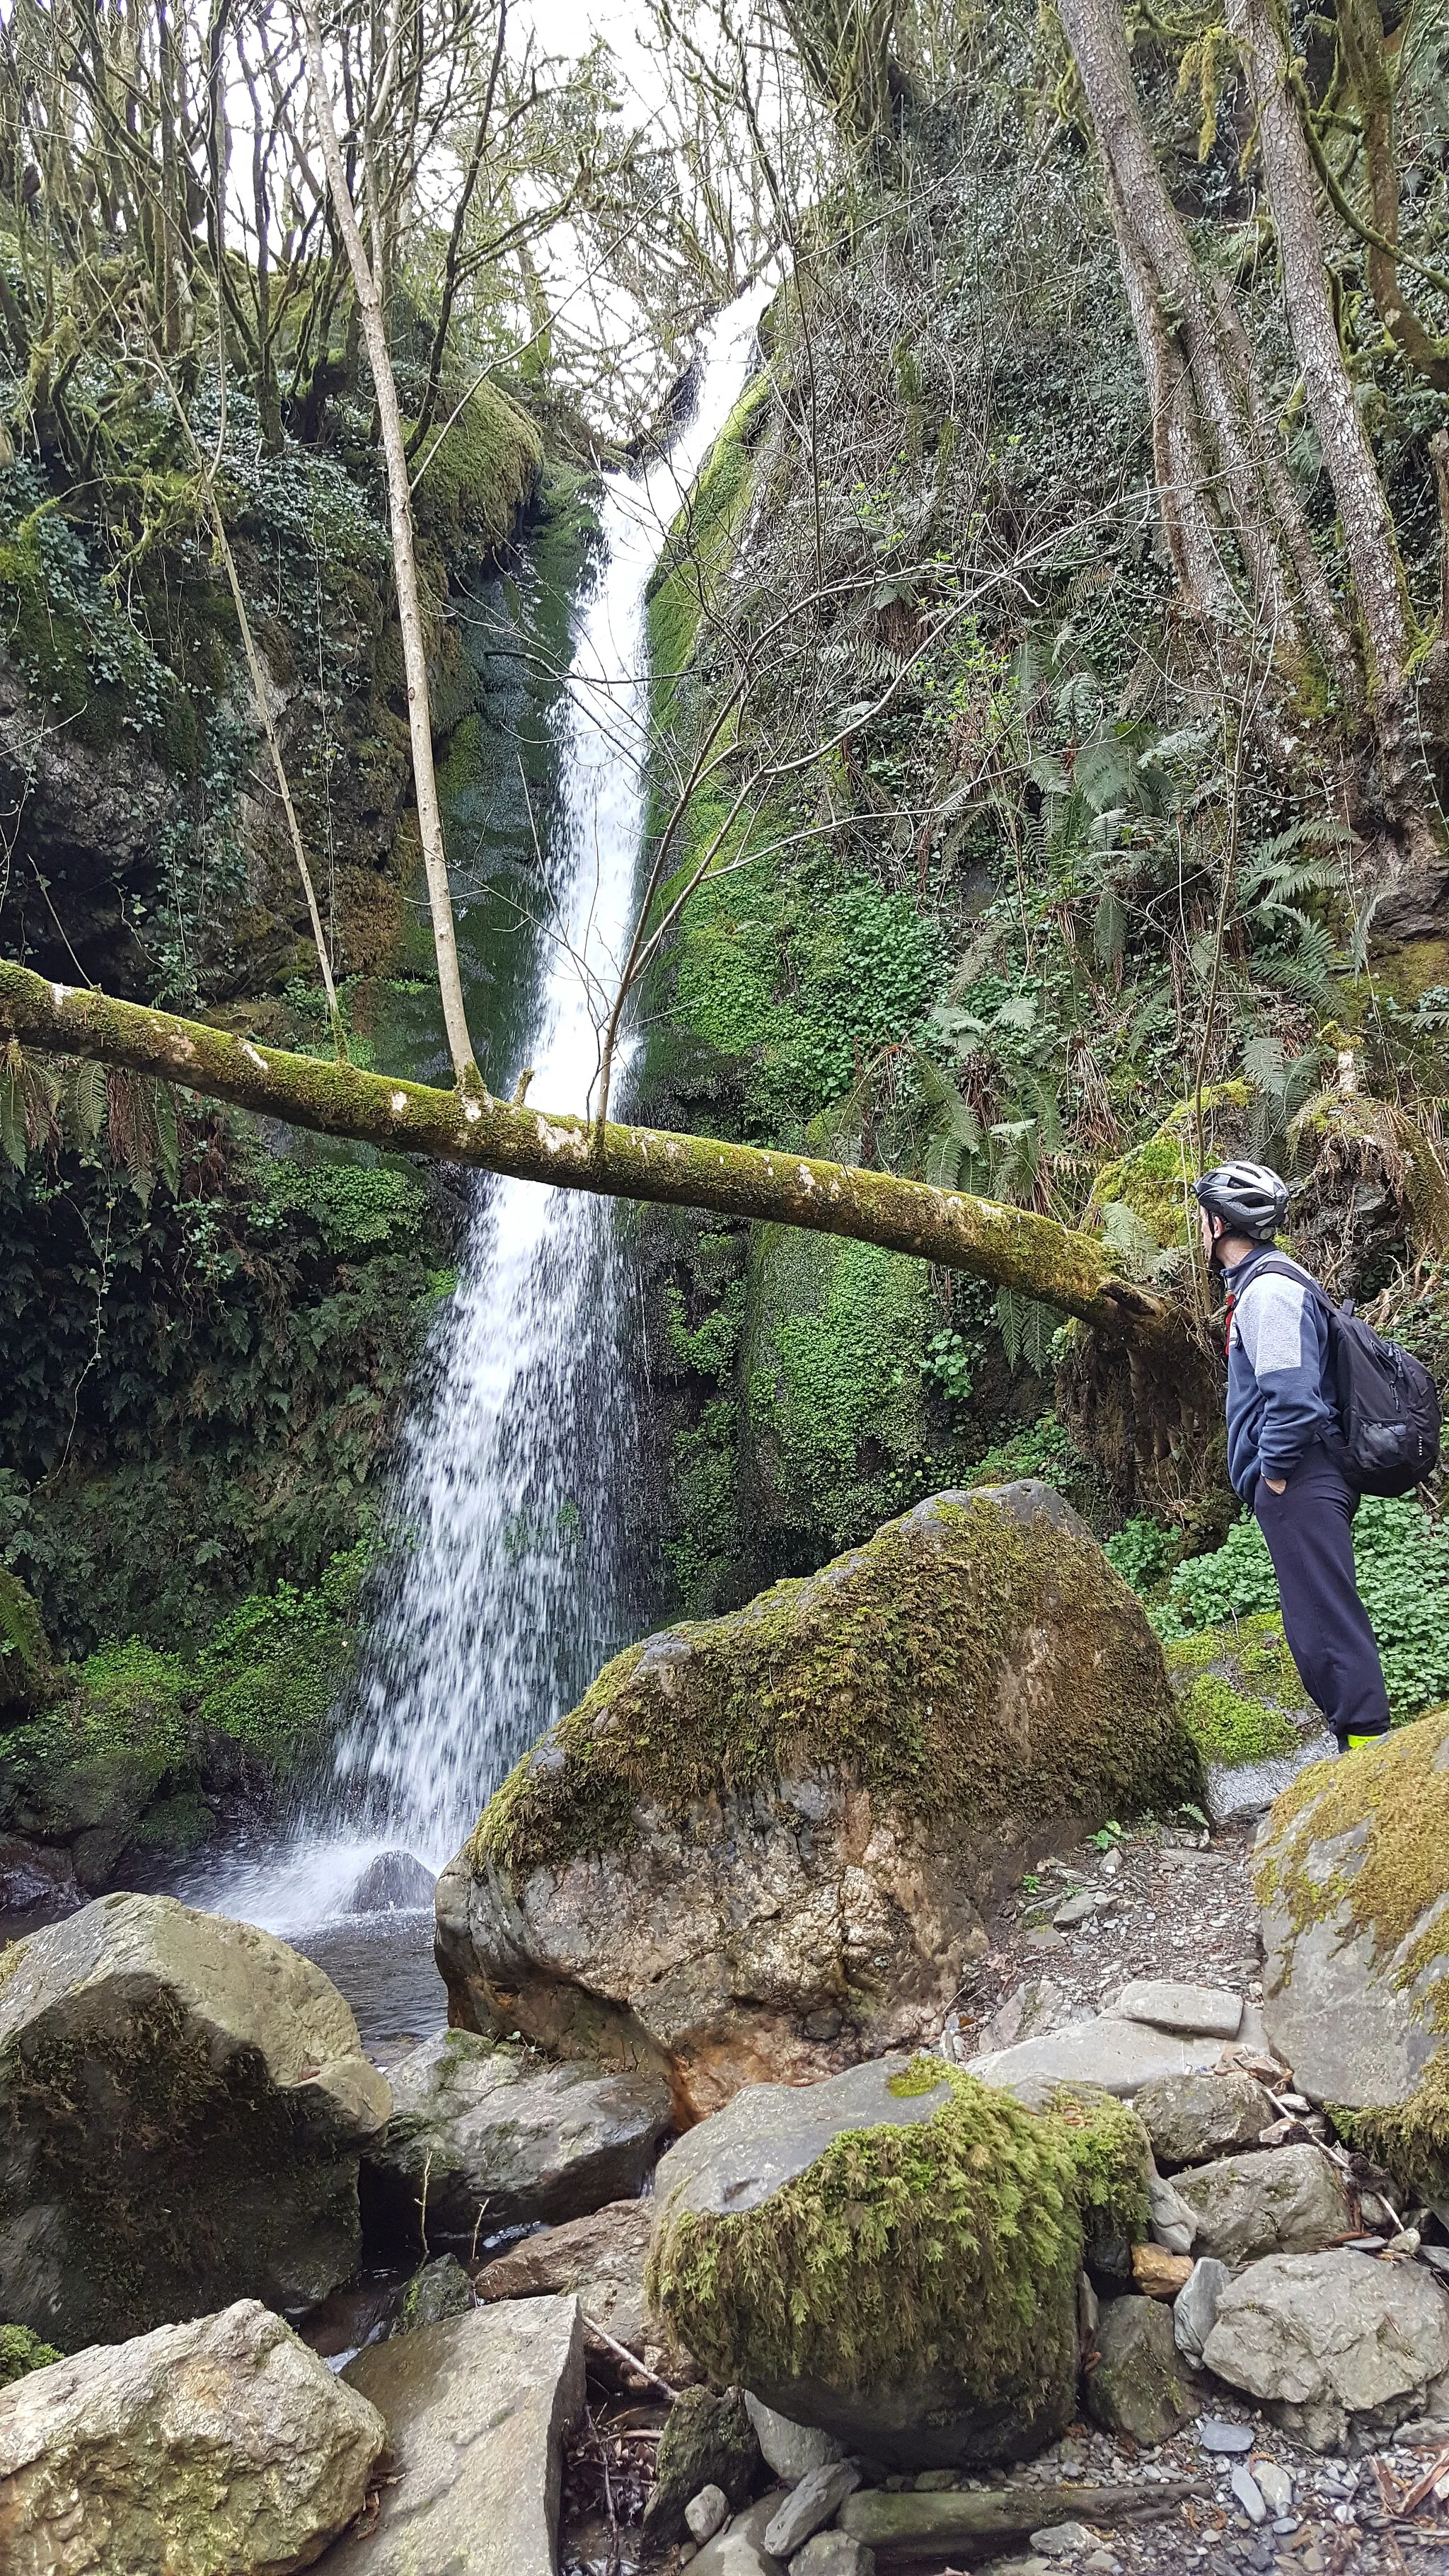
column 522, row 1569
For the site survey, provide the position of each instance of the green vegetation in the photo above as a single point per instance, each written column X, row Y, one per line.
column 1396, row 1795
column 887, row 1667
column 950, row 2244
column 471, row 483
column 1402, row 1560
column 21, row 2351
column 1412, row 2138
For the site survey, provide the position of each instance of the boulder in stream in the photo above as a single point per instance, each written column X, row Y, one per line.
column 1352, row 1871
column 893, row 2255
column 762, row 1846
column 182, row 2101
column 496, row 2136
column 218, row 2448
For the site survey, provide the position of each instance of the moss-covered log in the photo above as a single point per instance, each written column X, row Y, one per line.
column 1008, row 1245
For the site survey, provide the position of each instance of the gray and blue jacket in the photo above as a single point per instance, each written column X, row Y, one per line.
column 1280, row 1396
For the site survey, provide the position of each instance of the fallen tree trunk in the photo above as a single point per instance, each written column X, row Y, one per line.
column 1009, row 1246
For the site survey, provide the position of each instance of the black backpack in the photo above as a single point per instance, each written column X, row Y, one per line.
column 1387, row 1402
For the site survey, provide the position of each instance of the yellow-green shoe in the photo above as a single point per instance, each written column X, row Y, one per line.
column 1356, row 1743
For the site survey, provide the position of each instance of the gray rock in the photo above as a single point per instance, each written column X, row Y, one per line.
column 1191, row 2119
column 1038, row 2004
column 36, row 1874
column 1355, row 2000
column 705, row 2512
column 814, row 2502
column 182, row 2101
column 1248, row 2493
column 1224, row 2439
column 515, row 2135
column 224, row 2443
column 720, row 1930
column 1136, row 2385
column 833, row 2553
column 741, row 2551
column 601, row 2259
column 1063, row 2540
column 1235, row 1796
column 1274, row 2485
column 1205, row 2012
column 708, row 2441
column 1286, row 2200
column 1120, row 2055
column 478, row 2409
column 1173, row 2219
column 1196, row 2305
column 790, row 2450
column 1322, row 2338
column 394, row 1883
column 1076, row 1909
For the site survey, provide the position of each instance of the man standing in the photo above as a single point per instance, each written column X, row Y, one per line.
column 1284, row 1448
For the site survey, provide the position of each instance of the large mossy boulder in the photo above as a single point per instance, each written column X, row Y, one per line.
column 182, row 2101
column 1352, row 1871
column 893, row 2255
column 762, row 1845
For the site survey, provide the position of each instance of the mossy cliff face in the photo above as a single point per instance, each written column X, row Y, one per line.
column 182, row 2101
column 761, row 1846
column 894, row 2255
column 1353, row 1878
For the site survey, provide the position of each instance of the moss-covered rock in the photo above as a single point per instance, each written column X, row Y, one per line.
column 181, row 2104
column 1151, row 1184
column 1353, row 1878
column 1239, row 1692
column 762, row 1844
column 475, row 476
column 892, row 2255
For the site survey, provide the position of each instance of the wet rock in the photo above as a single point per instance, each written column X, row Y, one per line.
column 954, row 2342
column 1352, row 1871
column 1203, row 2012
column 36, row 1874
column 182, row 2101
column 708, row 2441
column 1194, row 2310
column 441, row 2289
column 1323, row 2338
column 394, row 1883
column 223, row 2444
column 516, row 2137
column 601, row 2258
column 1192, row 2119
column 627, row 1897
column 1137, row 2386
column 1288, row 2200
column 740, row 2550
column 810, row 2505
column 791, row 2451
column 478, row 2409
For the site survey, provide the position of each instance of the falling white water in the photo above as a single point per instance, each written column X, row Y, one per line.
column 512, row 1590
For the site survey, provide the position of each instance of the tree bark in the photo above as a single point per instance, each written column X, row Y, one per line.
column 1010, row 1246
column 409, row 599
column 1368, row 528
column 1361, row 38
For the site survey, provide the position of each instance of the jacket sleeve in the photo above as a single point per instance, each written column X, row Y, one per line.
column 1284, row 1335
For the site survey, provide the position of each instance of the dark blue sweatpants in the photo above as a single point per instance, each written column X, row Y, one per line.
column 1309, row 1534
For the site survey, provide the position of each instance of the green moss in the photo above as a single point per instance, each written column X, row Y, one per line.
column 475, row 475
column 951, row 2243
column 1394, row 1795
column 21, row 2352
column 24, row 1651
column 1111, row 2158
column 1155, row 1180
column 1411, row 2140
column 885, row 1666
column 837, row 1332
column 1238, row 1689
column 700, row 542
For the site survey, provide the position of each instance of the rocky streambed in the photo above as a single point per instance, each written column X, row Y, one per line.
column 1068, row 2191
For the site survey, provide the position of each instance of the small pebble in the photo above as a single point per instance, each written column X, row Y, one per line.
column 705, row 2512
column 1245, row 2487
column 1214, row 2435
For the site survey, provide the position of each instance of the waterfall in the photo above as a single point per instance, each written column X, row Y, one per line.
column 511, row 1586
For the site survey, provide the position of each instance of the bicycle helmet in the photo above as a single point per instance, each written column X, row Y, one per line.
column 1248, row 1197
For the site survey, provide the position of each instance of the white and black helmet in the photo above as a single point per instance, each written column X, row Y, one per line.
column 1248, row 1197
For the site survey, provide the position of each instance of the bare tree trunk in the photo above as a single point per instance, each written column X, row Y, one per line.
column 409, row 603
column 1180, row 467
column 1368, row 528
column 1361, row 39
column 1010, row 1246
